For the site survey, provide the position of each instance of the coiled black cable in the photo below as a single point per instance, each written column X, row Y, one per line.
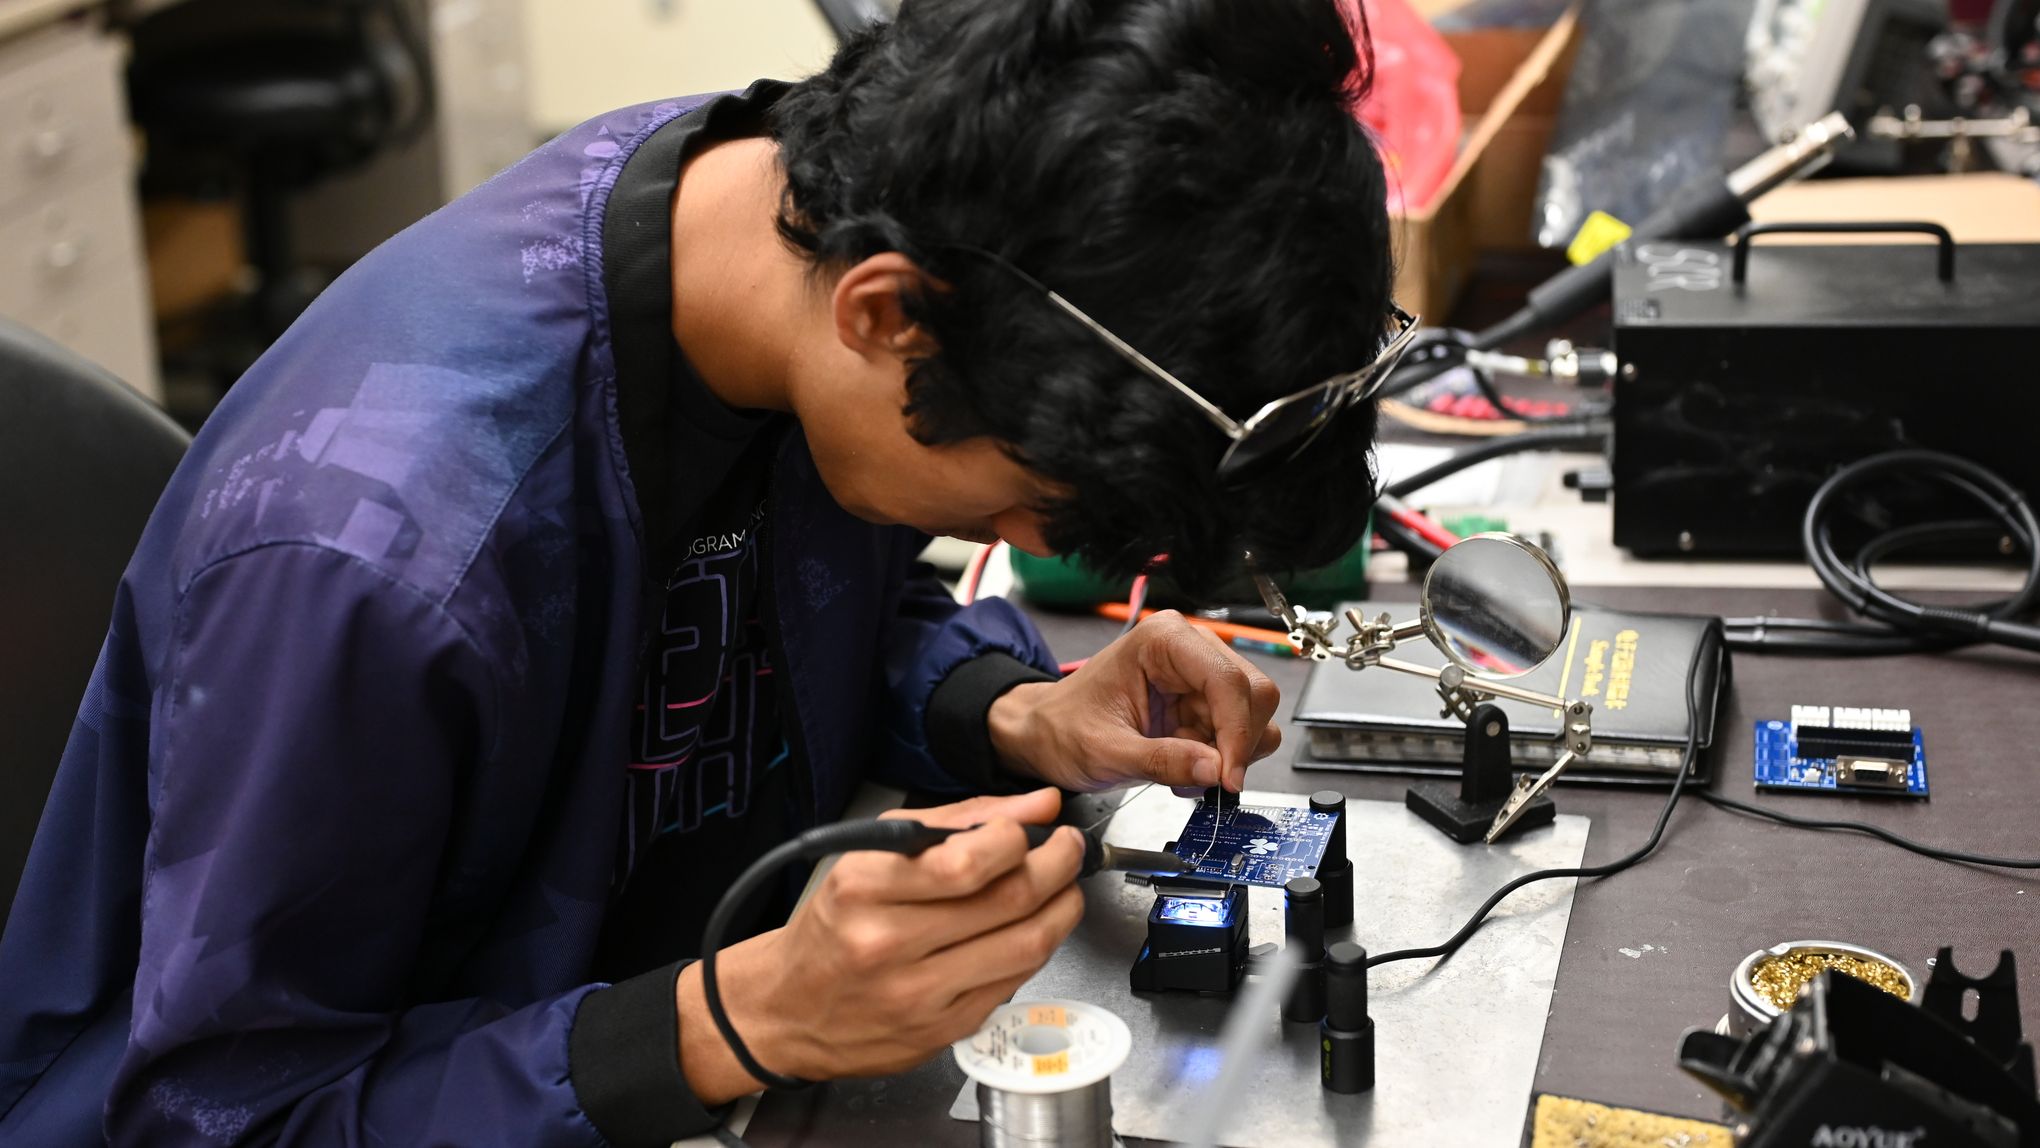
column 1890, row 624
column 1852, row 582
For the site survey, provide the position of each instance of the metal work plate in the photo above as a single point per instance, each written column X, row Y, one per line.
column 1456, row 1043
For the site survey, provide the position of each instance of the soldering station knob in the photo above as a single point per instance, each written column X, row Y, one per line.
column 1304, row 925
column 1346, row 1035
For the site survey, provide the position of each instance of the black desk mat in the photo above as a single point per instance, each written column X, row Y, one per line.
column 1719, row 886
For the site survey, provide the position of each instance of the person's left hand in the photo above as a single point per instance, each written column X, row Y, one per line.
column 1169, row 702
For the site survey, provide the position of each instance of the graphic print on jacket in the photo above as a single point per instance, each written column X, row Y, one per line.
column 709, row 704
column 708, row 787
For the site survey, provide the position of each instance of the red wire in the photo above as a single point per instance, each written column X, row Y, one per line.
column 1135, row 599
column 1428, row 530
column 975, row 572
column 1418, row 523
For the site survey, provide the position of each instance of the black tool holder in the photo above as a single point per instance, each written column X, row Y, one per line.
column 1335, row 868
column 1303, row 931
column 1346, row 1035
column 1850, row 1063
column 1486, row 778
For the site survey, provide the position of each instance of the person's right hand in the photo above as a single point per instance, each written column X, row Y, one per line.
column 894, row 957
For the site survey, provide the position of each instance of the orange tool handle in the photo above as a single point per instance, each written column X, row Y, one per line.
column 1227, row 630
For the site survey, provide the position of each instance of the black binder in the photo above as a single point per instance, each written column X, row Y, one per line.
column 1631, row 667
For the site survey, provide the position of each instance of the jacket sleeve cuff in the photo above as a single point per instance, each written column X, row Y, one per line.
column 959, row 738
column 623, row 1057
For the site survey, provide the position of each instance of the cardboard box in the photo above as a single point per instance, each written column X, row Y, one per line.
column 194, row 253
column 1511, row 82
column 1978, row 207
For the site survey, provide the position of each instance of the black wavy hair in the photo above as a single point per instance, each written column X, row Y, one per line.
column 1190, row 174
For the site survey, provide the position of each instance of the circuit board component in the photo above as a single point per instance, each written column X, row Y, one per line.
column 1254, row 844
column 1842, row 749
column 1851, row 731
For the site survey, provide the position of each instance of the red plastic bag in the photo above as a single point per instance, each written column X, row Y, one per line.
column 1413, row 109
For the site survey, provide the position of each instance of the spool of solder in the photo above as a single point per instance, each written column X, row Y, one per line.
column 1767, row 981
column 1044, row 1074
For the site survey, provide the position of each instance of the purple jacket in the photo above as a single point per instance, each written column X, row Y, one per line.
column 331, row 844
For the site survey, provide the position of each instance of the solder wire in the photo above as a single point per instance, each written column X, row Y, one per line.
column 1079, row 1118
column 1123, row 802
column 1217, row 811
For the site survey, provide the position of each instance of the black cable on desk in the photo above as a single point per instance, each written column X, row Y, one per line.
column 1445, row 348
column 1577, row 436
column 1853, row 584
column 1825, row 637
column 1593, row 437
column 1895, row 625
column 1708, row 643
column 1435, row 351
column 1868, row 829
column 1400, row 537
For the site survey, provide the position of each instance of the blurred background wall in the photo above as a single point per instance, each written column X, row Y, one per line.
column 589, row 57
column 178, row 178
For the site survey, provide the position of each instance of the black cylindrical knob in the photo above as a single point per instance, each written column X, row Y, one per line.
column 1346, row 985
column 1338, row 885
column 1333, row 802
column 1303, row 918
column 1304, row 925
column 1346, row 1035
column 1335, row 870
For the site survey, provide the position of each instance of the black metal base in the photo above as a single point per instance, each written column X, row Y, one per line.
column 1466, row 822
column 1464, row 811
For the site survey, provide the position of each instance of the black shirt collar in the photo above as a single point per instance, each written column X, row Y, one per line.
column 655, row 385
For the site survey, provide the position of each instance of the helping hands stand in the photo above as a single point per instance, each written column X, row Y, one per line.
column 1464, row 695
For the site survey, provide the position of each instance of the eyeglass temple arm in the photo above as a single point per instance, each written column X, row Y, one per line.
column 1218, row 417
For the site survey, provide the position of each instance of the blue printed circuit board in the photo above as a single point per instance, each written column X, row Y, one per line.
column 1256, row 844
column 1780, row 768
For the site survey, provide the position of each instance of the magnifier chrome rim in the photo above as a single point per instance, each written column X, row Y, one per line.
column 1437, row 635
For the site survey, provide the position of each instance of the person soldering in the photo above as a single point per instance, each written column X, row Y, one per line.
column 561, row 559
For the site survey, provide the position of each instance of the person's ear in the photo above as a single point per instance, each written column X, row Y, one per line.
column 870, row 318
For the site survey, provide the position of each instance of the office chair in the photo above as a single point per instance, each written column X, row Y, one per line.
column 314, row 88
column 82, row 461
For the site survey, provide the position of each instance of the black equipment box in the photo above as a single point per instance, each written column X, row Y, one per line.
column 1739, row 393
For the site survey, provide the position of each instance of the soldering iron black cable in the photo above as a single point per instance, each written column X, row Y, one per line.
column 1591, row 435
column 1936, row 852
column 1710, row 642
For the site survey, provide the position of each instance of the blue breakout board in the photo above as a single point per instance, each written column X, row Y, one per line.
column 1842, row 750
column 1256, row 844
